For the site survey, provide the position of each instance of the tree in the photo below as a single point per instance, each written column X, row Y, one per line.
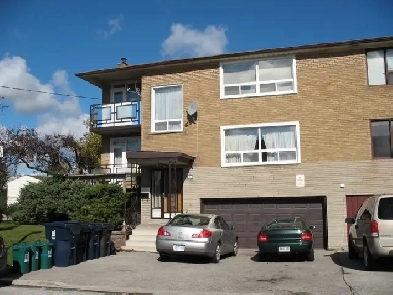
column 55, row 154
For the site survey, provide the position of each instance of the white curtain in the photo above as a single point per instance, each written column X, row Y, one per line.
column 168, row 107
column 240, row 140
column 239, row 73
column 376, row 67
column 246, row 140
column 275, row 69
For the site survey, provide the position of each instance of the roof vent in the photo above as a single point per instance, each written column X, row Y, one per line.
column 122, row 63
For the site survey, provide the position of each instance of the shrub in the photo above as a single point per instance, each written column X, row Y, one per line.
column 53, row 199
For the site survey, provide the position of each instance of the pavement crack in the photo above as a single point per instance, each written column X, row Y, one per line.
column 343, row 273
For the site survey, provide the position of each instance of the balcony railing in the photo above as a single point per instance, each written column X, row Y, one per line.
column 116, row 114
column 125, row 168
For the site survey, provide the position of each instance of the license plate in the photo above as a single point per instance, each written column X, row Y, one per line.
column 178, row 248
column 284, row 249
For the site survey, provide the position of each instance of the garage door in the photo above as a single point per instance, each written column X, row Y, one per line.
column 248, row 215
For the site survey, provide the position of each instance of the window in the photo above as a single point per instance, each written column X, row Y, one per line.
column 258, row 78
column 191, row 220
column 167, row 106
column 126, row 92
column 260, row 144
column 381, row 137
column 380, row 67
column 385, row 209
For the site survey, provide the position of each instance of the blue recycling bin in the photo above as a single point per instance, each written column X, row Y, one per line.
column 94, row 241
column 65, row 236
column 105, row 240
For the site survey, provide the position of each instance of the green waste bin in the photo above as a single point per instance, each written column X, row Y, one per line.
column 35, row 256
column 21, row 258
column 46, row 255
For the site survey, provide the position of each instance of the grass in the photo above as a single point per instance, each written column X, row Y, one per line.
column 15, row 233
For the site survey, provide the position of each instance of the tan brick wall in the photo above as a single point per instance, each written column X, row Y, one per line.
column 359, row 178
column 334, row 105
column 105, row 150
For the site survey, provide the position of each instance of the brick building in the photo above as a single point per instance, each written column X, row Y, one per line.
column 302, row 130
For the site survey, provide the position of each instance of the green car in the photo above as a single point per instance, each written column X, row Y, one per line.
column 286, row 236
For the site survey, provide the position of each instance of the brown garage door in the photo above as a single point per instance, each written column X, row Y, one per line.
column 248, row 215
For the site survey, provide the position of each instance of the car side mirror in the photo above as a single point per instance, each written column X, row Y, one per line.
column 312, row 227
column 231, row 227
column 350, row 220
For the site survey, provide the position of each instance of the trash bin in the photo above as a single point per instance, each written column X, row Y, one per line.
column 46, row 255
column 21, row 258
column 83, row 243
column 35, row 256
column 93, row 251
column 65, row 237
column 105, row 249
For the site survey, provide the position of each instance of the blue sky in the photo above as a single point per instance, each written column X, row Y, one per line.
column 44, row 43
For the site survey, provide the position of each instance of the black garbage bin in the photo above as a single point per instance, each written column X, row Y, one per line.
column 83, row 244
column 93, row 241
column 105, row 249
column 65, row 236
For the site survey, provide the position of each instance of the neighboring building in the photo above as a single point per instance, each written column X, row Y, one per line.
column 16, row 184
column 302, row 130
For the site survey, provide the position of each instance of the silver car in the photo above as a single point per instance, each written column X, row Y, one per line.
column 197, row 234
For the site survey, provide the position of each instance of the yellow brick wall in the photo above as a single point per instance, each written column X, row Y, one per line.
column 334, row 105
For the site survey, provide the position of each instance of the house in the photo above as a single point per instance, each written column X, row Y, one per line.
column 301, row 130
column 14, row 186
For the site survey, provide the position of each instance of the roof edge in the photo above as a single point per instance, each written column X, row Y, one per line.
column 219, row 57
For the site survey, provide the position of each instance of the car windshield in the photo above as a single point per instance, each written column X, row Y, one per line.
column 189, row 220
column 385, row 208
column 286, row 222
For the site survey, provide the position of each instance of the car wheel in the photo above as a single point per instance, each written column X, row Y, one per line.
column 310, row 256
column 235, row 249
column 352, row 253
column 262, row 257
column 217, row 254
column 368, row 260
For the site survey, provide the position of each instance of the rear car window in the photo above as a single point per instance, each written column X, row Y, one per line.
column 385, row 208
column 295, row 222
column 190, row 220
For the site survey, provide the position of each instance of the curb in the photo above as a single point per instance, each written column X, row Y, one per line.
column 60, row 286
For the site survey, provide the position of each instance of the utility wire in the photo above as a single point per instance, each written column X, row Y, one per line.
column 45, row 92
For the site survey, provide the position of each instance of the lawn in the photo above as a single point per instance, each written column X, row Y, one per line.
column 14, row 233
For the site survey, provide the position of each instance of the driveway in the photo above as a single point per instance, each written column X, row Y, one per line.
column 330, row 273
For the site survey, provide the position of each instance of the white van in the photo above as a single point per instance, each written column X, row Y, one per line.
column 371, row 232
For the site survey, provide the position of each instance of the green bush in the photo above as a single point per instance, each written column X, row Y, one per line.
column 47, row 200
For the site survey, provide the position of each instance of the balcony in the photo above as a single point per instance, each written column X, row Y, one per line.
column 116, row 118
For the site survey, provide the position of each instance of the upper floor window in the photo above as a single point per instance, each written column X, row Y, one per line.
column 380, row 67
column 273, row 143
column 167, row 108
column 125, row 92
column 382, row 138
column 273, row 76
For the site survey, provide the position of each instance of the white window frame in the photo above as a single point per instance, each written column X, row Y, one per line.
column 257, row 82
column 278, row 124
column 123, row 89
column 385, row 66
column 152, row 119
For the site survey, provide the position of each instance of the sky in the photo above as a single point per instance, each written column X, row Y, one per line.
column 43, row 43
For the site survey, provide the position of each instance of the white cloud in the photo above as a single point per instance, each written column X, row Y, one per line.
column 186, row 41
column 54, row 113
column 114, row 25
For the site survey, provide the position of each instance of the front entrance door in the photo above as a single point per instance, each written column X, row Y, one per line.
column 166, row 193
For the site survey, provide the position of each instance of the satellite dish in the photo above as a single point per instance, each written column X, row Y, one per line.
column 192, row 108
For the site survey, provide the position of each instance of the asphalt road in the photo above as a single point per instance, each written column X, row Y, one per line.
column 330, row 273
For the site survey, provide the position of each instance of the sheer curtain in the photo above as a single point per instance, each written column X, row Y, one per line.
column 168, row 108
column 241, row 140
column 280, row 138
column 376, row 67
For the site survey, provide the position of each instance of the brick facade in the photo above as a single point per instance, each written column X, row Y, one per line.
column 334, row 106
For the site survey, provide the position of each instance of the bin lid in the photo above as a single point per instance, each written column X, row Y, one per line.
column 85, row 227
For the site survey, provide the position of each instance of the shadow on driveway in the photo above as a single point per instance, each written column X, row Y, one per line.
column 342, row 259
column 277, row 258
column 189, row 259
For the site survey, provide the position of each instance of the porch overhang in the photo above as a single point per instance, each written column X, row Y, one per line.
column 151, row 158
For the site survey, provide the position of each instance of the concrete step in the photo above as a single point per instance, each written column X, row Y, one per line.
column 148, row 233
column 139, row 237
column 139, row 249
column 141, row 244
